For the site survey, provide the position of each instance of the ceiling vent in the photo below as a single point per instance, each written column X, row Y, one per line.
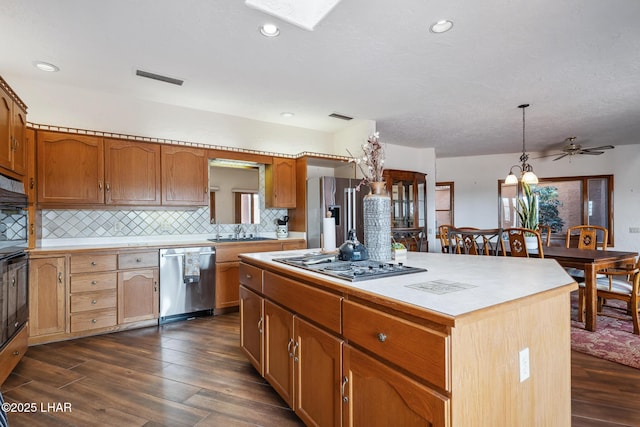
column 159, row 77
column 340, row 116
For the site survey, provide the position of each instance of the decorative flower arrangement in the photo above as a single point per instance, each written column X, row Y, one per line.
column 372, row 163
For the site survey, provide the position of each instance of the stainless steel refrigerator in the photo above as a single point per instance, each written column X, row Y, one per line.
column 338, row 196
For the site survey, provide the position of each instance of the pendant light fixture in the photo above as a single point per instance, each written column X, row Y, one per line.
column 526, row 171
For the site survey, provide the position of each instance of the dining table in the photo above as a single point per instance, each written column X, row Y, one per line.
column 590, row 261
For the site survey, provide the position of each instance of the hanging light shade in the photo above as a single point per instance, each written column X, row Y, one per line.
column 526, row 170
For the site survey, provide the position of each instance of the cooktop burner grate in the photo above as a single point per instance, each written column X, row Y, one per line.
column 349, row 270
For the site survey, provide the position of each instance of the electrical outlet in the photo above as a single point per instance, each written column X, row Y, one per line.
column 524, row 364
column 634, row 229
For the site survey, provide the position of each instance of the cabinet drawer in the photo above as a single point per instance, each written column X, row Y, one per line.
column 138, row 260
column 251, row 277
column 94, row 282
column 92, row 262
column 419, row 350
column 93, row 320
column 314, row 304
column 93, row 301
column 11, row 354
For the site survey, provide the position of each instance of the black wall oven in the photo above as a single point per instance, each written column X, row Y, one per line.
column 14, row 291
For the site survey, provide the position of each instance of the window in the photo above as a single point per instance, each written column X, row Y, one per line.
column 444, row 204
column 564, row 202
column 247, row 208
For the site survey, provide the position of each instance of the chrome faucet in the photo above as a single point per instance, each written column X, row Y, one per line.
column 238, row 230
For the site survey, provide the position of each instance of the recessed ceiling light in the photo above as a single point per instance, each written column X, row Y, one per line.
column 441, row 26
column 287, row 114
column 269, row 30
column 303, row 13
column 45, row 66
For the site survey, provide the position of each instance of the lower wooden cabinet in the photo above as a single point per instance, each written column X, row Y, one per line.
column 138, row 297
column 303, row 364
column 47, row 296
column 13, row 351
column 227, row 279
column 251, row 327
column 377, row 395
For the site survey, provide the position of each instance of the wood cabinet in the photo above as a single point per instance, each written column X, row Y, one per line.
column 132, row 173
column 185, row 175
column 47, row 296
column 408, row 191
column 13, row 351
column 377, row 395
column 280, row 183
column 13, row 126
column 138, row 292
column 70, row 168
column 228, row 265
column 252, row 316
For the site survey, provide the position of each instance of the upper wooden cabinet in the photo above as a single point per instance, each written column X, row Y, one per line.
column 70, row 168
column 280, row 183
column 185, row 176
column 13, row 126
column 132, row 173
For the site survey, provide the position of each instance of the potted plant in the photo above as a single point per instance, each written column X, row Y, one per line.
column 527, row 210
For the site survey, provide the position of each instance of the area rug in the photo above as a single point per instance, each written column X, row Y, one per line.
column 613, row 339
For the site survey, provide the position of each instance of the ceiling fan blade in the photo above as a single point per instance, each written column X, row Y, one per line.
column 591, row 152
column 561, row 156
column 603, row 147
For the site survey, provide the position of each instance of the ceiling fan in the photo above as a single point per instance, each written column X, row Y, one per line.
column 572, row 149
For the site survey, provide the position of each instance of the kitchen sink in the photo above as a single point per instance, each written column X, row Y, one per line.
column 241, row 239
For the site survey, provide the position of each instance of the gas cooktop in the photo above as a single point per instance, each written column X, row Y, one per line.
column 353, row 271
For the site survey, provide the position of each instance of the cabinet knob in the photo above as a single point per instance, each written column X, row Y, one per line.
column 93, row 263
column 382, row 337
column 94, row 320
column 93, row 282
column 16, row 353
column 32, row 183
column 248, row 276
column 138, row 259
column 94, row 302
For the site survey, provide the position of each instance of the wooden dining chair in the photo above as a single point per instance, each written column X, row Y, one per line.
column 617, row 283
column 443, row 234
column 545, row 234
column 517, row 242
column 474, row 241
column 588, row 236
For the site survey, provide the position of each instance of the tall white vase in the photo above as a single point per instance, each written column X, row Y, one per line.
column 377, row 223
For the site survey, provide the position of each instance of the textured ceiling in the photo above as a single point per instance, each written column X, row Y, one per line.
column 577, row 62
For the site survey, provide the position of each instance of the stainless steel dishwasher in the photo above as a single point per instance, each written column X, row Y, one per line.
column 187, row 283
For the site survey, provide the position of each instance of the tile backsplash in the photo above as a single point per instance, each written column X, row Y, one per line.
column 65, row 224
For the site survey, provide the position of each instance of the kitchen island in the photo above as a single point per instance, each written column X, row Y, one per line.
column 472, row 341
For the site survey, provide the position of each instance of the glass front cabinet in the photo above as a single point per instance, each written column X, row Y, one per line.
column 408, row 191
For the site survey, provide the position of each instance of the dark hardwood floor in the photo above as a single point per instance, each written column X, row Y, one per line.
column 193, row 374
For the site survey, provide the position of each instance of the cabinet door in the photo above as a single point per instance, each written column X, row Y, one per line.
column 279, row 347
column 184, row 176
column 5, row 129
column 132, row 173
column 138, row 297
column 47, row 290
column 377, row 395
column 317, row 375
column 251, row 327
column 19, row 154
column 280, row 183
column 227, row 284
column 70, row 168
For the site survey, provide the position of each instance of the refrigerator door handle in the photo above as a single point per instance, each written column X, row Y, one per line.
column 349, row 214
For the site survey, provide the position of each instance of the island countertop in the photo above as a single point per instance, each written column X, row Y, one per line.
column 453, row 285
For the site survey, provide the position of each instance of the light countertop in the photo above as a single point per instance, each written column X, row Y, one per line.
column 453, row 284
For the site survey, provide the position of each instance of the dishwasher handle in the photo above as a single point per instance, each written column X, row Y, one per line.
column 182, row 254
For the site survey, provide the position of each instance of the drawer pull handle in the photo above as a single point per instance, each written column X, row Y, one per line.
column 94, row 302
column 60, row 277
column 93, row 282
column 382, row 337
column 345, row 381
column 296, row 344
column 249, row 276
column 138, row 259
column 16, row 353
column 94, row 320
column 93, row 263
column 260, row 325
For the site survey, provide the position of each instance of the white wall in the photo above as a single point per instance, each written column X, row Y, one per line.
column 476, row 185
